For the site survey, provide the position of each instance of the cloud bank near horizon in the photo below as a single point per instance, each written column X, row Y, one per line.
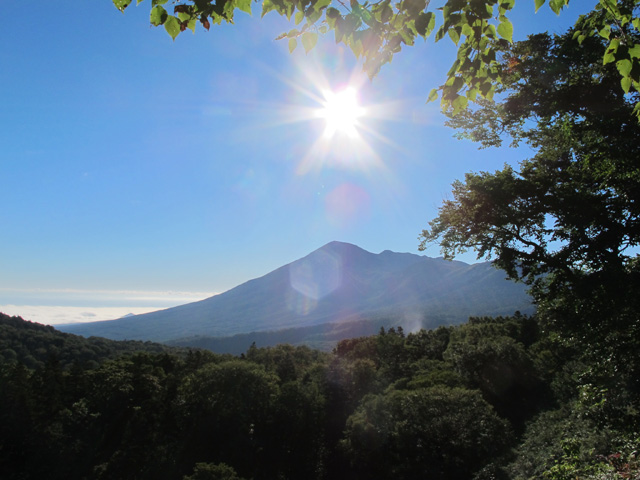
column 63, row 306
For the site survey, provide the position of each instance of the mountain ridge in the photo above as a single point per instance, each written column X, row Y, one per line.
column 338, row 282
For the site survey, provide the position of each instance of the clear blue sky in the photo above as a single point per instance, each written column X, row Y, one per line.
column 130, row 162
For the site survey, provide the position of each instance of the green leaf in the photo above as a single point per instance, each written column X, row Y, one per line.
column 538, row 4
column 507, row 4
column 386, row 14
column 293, row 43
column 455, row 36
column 433, row 95
column 626, row 82
column 267, row 6
column 309, row 40
column 121, row 4
column 557, row 5
column 634, row 52
column 333, row 13
column 366, row 17
column 624, row 67
column 299, row 17
column 244, row 5
column 320, row 4
column 425, row 23
column 158, row 2
column 172, row 26
column 505, row 30
column 610, row 54
column 459, row 103
column 158, row 15
column 605, row 32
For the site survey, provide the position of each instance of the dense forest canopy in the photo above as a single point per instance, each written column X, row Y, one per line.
column 494, row 398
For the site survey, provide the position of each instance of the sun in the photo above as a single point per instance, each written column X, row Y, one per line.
column 341, row 112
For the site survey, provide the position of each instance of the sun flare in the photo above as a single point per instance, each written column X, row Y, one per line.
column 341, row 112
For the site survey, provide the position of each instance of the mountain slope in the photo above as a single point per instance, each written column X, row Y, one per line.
column 336, row 283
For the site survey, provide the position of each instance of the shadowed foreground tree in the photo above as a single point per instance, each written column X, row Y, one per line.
column 567, row 221
column 437, row 433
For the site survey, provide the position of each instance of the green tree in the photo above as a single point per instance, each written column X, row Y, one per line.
column 438, row 433
column 567, row 220
column 377, row 31
column 210, row 471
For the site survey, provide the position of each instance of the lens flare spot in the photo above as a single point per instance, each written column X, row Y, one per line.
column 313, row 278
column 347, row 204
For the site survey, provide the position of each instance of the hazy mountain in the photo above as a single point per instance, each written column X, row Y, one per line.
column 337, row 283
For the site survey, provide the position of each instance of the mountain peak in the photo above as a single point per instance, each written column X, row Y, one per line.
column 337, row 283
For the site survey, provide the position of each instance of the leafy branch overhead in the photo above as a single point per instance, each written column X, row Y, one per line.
column 376, row 31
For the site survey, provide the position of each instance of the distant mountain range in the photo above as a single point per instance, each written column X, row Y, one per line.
column 337, row 288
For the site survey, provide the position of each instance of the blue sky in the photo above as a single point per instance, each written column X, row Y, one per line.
column 141, row 172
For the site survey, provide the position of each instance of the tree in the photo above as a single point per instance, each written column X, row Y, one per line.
column 437, row 433
column 210, row 471
column 376, row 32
column 567, row 220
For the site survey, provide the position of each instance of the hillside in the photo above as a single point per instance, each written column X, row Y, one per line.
column 338, row 283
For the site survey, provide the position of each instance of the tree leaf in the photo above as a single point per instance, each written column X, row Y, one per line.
column 624, row 67
column 320, row 4
column 557, row 5
column 634, row 52
column 605, row 32
column 424, row 23
column 538, row 4
column 433, row 95
column 505, row 30
column 455, row 36
column 121, row 4
column 309, row 40
column 158, row 15
column 459, row 103
column 172, row 26
column 244, row 5
column 299, row 17
column 267, row 6
column 626, row 82
column 293, row 43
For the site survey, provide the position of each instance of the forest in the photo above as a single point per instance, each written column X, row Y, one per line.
column 493, row 398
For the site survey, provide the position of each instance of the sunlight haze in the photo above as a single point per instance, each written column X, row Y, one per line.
column 131, row 162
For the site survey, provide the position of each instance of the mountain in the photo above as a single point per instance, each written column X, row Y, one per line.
column 335, row 284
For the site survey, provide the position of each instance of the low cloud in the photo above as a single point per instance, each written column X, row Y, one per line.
column 60, row 306
column 58, row 315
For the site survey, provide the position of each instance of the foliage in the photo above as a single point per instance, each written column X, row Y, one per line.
column 390, row 405
column 437, row 432
column 567, row 221
column 377, row 31
column 208, row 471
column 32, row 344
